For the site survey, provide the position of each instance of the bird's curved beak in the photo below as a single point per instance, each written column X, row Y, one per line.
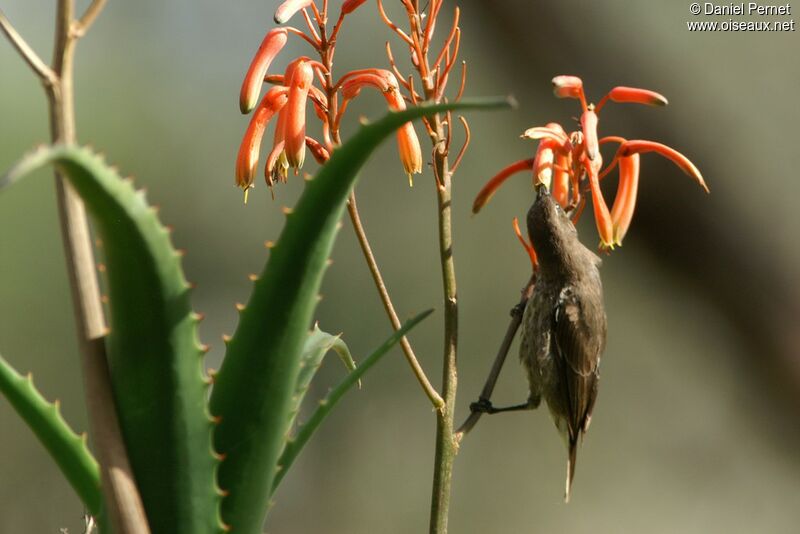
column 541, row 190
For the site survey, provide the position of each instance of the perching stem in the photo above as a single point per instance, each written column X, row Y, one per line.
column 123, row 506
column 446, row 445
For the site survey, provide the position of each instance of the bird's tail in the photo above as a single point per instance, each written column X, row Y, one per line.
column 573, row 452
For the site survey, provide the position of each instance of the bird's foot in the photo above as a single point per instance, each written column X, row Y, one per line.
column 482, row 406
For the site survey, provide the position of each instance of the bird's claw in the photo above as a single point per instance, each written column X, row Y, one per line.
column 482, row 406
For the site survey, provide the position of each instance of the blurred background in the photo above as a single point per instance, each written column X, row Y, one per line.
column 697, row 426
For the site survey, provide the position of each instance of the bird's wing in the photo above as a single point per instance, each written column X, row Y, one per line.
column 578, row 355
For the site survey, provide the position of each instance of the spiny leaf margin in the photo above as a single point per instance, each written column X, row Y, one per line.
column 317, row 345
column 326, row 405
column 67, row 448
column 253, row 389
column 155, row 359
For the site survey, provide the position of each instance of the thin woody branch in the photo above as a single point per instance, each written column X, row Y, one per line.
column 82, row 25
column 122, row 501
column 27, row 53
column 419, row 372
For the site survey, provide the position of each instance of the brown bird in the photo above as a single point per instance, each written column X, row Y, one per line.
column 564, row 324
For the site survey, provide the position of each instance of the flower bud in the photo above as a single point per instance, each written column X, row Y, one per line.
column 634, row 95
column 294, row 133
column 272, row 44
column 320, row 153
column 589, row 127
column 552, row 131
column 568, row 87
column 288, row 8
column 351, row 5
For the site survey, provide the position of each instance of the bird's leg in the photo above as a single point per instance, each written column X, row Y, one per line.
column 516, row 318
column 485, row 406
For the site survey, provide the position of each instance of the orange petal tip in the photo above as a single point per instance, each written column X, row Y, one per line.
column 634, row 95
column 567, row 86
column 288, row 8
column 684, row 163
column 272, row 44
column 351, row 5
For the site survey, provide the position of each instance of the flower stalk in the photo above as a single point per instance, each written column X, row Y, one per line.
column 290, row 139
column 434, row 77
column 291, row 142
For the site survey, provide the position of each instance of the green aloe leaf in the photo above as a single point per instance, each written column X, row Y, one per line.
column 317, row 345
column 253, row 390
column 155, row 359
column 296, row 443
column 66, row 448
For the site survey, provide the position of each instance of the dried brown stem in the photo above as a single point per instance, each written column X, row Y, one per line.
column 416, row 368
column 82, row 25
column 45, row 73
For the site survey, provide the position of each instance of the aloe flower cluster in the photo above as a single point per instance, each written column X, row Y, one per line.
column 434, row 69
column 306, row 79
column 571, row 164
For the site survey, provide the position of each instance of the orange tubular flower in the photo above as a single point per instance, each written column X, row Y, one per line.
column 276, row 167
column 543, row 163
column 247, row 160
column 320, row 153
column 640, row 147
column 589, row 127
column 386, row 82
column 625, row 202
column 288, row 8
column 351, row 5
column 294, row 133
column 272, row 44
column 407, row 140
column 560, row 187
column 569, row 87
column 527, row 246
column 602, row 217
column 567, row 164
column 488, row 190
column 634, row 95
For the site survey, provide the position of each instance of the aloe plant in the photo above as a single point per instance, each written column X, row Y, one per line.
column 167, row 415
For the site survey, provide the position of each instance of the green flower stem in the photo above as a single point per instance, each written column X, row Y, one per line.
column 369, row 257
column 446, row 445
